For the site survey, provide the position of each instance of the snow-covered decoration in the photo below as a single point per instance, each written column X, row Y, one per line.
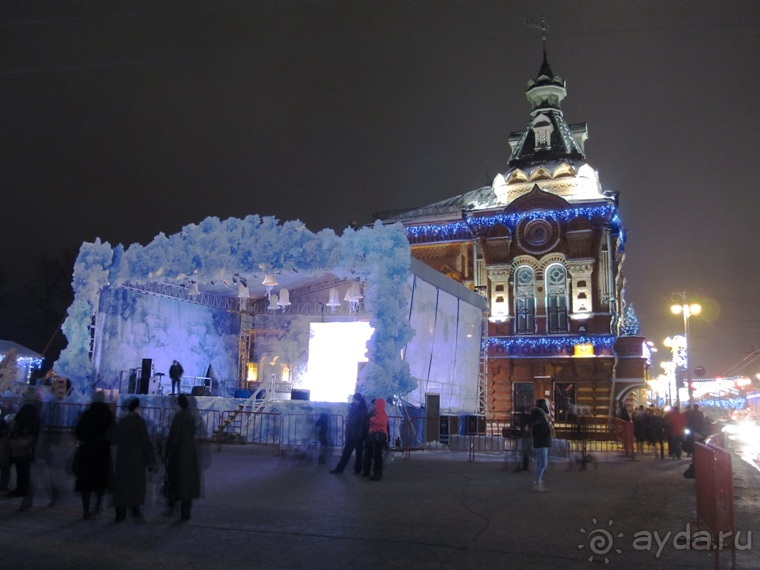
column 251, row 248
column 91, row 274
column 630, row 326
column 381, row 257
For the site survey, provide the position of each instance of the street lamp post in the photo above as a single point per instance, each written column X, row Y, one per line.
column 687, row 310
column 677, row 346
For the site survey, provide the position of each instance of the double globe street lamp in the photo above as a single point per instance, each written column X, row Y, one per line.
column 687, row 310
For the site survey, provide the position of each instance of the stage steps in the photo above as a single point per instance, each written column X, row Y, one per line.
column 254, row 403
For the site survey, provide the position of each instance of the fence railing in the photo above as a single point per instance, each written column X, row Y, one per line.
column 408, row 433
column 715, row 497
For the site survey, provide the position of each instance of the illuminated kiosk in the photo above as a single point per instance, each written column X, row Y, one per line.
column 253, row 304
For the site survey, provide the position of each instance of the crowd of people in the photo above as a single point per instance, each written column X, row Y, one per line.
column 114, row 457
column 653, row 427
column 111, row 458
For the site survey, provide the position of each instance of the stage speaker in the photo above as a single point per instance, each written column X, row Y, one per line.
column 432, row 417
column 300, row 395
column 200, row 391
column 147, row 365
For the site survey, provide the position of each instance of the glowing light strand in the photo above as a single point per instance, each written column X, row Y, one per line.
column 553, row 342
column 452, row 229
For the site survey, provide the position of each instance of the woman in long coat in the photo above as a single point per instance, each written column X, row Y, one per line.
column 24, row 428
column 134, row 454
column 182, row 463
column 94, row 469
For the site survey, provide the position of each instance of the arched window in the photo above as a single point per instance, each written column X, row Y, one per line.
column 525, row 301
column 556, row 298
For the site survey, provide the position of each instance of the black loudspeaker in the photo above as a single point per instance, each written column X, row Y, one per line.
column 300, row 395
column 432, row 417
column 147, row 365
column 200, row 391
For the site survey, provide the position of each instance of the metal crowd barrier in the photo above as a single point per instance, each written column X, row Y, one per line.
column 408, row 433
column 260, row 428
column 715, row 497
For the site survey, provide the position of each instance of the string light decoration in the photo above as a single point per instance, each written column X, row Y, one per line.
column 550, row 343
column 726, row 403
column 455, row 228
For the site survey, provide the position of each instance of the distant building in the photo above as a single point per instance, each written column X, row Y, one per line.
column 23, row 361
column 545, row 245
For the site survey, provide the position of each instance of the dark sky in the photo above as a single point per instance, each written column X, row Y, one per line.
column 123, row 119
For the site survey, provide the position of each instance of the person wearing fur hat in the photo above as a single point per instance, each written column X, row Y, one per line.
column 134, row 454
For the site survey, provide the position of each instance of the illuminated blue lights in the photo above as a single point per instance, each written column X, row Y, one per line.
column 726, row 403
column 556, row 343
column 453, row 230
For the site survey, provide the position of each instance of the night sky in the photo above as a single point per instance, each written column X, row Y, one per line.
column 123, row 119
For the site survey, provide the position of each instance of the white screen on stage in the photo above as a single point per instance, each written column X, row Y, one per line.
column 335, row 351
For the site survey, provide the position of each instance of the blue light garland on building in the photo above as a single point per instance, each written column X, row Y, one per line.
column 552, row 342
column 453, row 229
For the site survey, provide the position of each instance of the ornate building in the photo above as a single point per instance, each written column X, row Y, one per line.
column 545, row 246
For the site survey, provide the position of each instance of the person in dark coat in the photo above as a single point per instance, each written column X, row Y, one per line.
column 134, row 454
column 25, row 428
column 541, row 430
column 5, row 454
column 354, row 442
column 526, row 444
column 656, row 431
column 175, row 373
column 322, row 425
column 94, row 469
column 640, row 428
column 182, row 463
